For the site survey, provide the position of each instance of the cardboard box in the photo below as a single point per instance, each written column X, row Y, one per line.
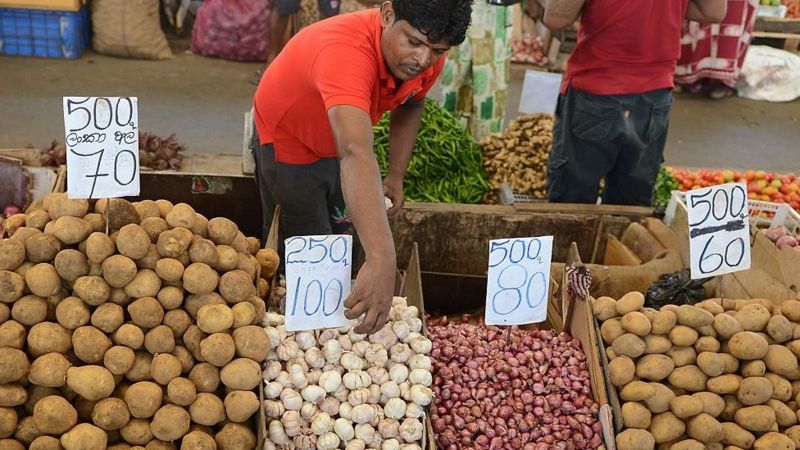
column 53, row 5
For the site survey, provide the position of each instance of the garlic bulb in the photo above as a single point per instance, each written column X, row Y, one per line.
column 376, row 355
column 360, row 348
column 420, row 376
column 355, row 337
column 283, row 379
column 390, row 389
column 297, row 376
column 398, row 373
column 328, row 441
column 401, row 330
column 389, row 428
column 399, row 301
column 273, row 390
column 414, row 411
column 330, row 406
column 306, row 440
column 326, row 335
column 397, row 313
column 414, row 324
column 357, row 379
column 411, row 430
column 292, row 423
column 268, row 445
column 405, row 391
column 272, row 356
column 344, row 429
column 421, row 395
column 358, row 397
column 420, row 362
column 345, row 343
column 273, row 409
column 321, row 423
column 374, row 394
column 400, row 353
column 410, row 447
column 346, row 411
column 330, row 381
column 287, row 350
column 390, row 444
column 313, row 376
column 271, row 370
column 308, row 410
column 421, row 345
column 378, row 375
column 277, row 434
column 385, row 337
column 395, row 408
column 314, row 358
column 305, row 340
column 341, row 393
column 272, row 319
column 292, row 401
column 332, row 351
column 313, row 393
column 356, row 444
column 363, row 413
column 351, row 361
column 367, row 433
column 299, row 361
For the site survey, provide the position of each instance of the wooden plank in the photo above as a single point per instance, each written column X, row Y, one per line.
column 28, row 156
column 634, row 212
column 777, row 24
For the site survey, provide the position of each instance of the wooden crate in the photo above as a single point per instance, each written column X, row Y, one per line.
column 53, row 5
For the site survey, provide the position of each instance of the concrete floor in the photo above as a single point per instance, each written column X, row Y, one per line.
column 203, row 101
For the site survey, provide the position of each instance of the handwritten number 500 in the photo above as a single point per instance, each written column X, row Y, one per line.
column 124, row 106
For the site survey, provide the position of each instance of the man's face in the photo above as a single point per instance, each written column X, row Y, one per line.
column 406, row 50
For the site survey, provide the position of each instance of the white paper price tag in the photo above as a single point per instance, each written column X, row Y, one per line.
column 719, row 230
column 318, row 272
column 102, row 140
column 518, row 282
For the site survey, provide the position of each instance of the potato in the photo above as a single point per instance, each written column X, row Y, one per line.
column 222, row 231
column 43, row 280
column 150, row 259
column 782, row 361
column 755, row 368
column 165, row 368
column 780, row 329
column 71, row 230
column 154, row 226
column 604, row 308
column 241, row 405
column 42, row 248
column 666, row 427
column 629, row 345
column 781, row 388
column 173, row 243
column 731, row 363
column 184, row 357
column 686, row 444
column 72, row 313
column 199, row 278
column 732, row 404
column 794, row 434
column 130, row 336
column 143, row 399
column 248, row 265
column 170, row 423
column 146, row 312
column 683, row 336
column 634, row 414
column 694, row 317
column 784, row 415
column 611, row 329
column 84, row 437
column 636, row 391
column 685, row 406
column 90, row 344
column 753, row 317
column 25, row 431
column 119, row 360
column 757, row 419
column 12, row 254
column 243, row 314
column 240, row 245
column 682, row 356
column 11, row 286
column 235, row 436
column 99, row 246
column 46, row 442
column 119, row 212
column 261, row 309
column 181, row 215
column 724, row 384
column 48, row 337
column 142, row 361
column 707, row 344
column 54, row 415
column 688, row 378
column 735, row 435
column 12, row 334
column 97, row 221
column 774, row 441
column 205, row 377
column 49, row 370
column 203, row 251
column 29, row 310
column 659, row 401
column 118, row 270
column 90, row 382
column 214, row 318
column 13, row 365
column 635, row 323
column 71, row 264
column 61, row 205
column 218, row 349
column 242, row 374
column 92, row 289
column 145, row 284
column 200, row 226
column 704, row 428
column 12, row 395
column 654, row 367
column 227, row 258
column 198, row 440
column 36, row 393
column 207, row 409
column 237, row 286
column 747, row 345
column 269, row 261
column 791, row 310
column 712, row 364
column 170, row 297
column 137, row 432
column 192, row 338
column 169, row 269
column 181, row 391
column 252, row 342
column 178, row 321
column 159, row 340
column 726, row 326
column 5, row 313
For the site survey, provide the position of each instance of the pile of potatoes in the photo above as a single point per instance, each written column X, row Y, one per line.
column 722, row 374
column 129, row 326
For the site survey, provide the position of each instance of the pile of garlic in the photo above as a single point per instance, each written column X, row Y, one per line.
column 336, row 389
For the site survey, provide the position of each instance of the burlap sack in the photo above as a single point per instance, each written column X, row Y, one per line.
column 128, row 28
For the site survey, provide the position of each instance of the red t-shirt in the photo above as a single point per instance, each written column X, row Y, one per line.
column 626, row 46
column 337, row 61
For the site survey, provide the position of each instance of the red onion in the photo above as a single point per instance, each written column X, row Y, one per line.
column 10, row 210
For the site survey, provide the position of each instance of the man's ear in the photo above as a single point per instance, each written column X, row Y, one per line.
column 387, row 14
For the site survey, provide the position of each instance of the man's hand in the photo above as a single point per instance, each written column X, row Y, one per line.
column 393, row 190
column 372, row 295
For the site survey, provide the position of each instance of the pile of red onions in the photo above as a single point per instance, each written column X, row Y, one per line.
column 529, row 49
column 510, row 389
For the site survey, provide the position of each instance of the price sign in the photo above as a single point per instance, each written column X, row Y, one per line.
column 518, row 280
column 719, row 230
column 102, row 140
column 318, row 272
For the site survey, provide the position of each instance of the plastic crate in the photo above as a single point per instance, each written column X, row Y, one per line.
column 44, row 34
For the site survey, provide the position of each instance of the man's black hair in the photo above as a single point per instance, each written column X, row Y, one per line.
column 437, row 19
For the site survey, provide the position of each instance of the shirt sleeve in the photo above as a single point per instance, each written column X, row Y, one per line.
column 345, row 76
column 431, row 80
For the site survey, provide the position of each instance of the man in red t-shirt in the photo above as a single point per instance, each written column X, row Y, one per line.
column 613, row 112
column 314, row 112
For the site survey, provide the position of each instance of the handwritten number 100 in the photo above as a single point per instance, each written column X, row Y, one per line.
column 334, row 286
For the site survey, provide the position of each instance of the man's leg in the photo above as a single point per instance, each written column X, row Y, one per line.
column 278, row 24
column 633, row 179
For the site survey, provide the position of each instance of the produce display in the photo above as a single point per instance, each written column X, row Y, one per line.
column 665, row 184
column 529, row 49
column 446, row 165
column 722, row 373
column 782, row 238
column 339, row 389
column 518, row 156
column 147, row 336
column 510, row 388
